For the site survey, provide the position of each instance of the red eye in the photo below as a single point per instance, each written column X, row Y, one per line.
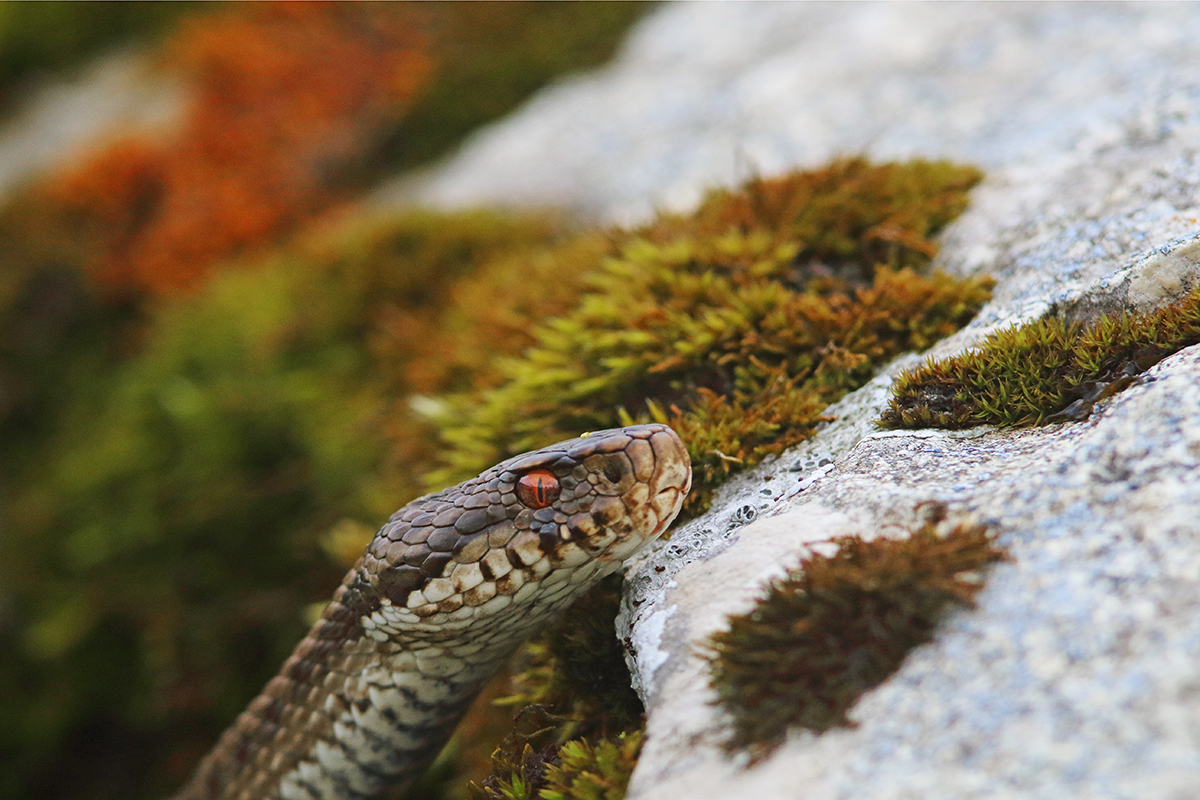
column 537, row 489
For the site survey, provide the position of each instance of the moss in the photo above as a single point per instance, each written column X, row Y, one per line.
column 738, row 325
column 1049, row 370
column 837, row 626
column 490, row 312
column 847, row 216
column 531, row 765
column 601, row 772
column 573, row 680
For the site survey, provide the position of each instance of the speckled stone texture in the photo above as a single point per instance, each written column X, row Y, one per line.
column 1078, row 674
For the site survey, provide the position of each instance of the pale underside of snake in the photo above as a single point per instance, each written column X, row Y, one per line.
column 444, row 593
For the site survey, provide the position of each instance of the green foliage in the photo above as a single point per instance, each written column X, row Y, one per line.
column 837, row 626
column 599, row 772
column 736, row 326
column 1045, row 371
column 532, row 765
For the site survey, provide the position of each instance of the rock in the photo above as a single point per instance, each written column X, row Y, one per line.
column 1078, row 673
column 707, row 93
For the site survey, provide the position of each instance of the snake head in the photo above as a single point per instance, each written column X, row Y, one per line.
column 601, row 496
column 570, row 512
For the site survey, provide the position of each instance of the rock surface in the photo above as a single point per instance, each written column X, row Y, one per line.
column 706, row 93
column 1078, row 674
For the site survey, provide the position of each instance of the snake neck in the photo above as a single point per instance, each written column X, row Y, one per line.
column 368, row 721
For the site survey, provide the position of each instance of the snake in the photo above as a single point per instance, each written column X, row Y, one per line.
column 445, row 592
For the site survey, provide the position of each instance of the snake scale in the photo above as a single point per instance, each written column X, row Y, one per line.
column 444, row 593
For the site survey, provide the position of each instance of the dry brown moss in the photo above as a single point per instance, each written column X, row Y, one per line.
column 837, row 626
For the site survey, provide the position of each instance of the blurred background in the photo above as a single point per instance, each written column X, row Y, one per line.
column 219, row 370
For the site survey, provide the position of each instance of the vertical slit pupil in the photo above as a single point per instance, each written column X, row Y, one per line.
column 537, row 489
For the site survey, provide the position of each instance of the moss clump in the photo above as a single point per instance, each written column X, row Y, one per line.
column 489, row 314
column 838, row 626
column 737, row 325
column 530, row 765
column 601, row 772
column 1046, row 371
column 846, row 217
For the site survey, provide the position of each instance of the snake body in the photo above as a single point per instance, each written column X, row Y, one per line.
column 444, row 593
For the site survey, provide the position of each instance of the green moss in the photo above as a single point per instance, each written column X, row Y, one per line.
column 837, row 626
column 1046, row 371
column 532, row 765
column 599, row 772
column 490, row 313
column 846, row 217
column 576, row 702
column 737, row 325
column 519, row 764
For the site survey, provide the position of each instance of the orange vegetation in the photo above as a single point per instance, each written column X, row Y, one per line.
column 285, row 101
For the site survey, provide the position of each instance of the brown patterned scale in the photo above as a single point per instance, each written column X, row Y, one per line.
column 445, row 592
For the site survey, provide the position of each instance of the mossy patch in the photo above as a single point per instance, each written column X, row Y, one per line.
column 737, row 325
column 1049, row 370
column 530, row 765
column 837, row 626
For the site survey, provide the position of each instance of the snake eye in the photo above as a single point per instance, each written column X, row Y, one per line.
column 537, row 489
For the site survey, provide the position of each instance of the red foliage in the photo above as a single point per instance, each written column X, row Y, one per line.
column 286, row 98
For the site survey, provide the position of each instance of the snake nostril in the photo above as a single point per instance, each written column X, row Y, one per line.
column 613, row 472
